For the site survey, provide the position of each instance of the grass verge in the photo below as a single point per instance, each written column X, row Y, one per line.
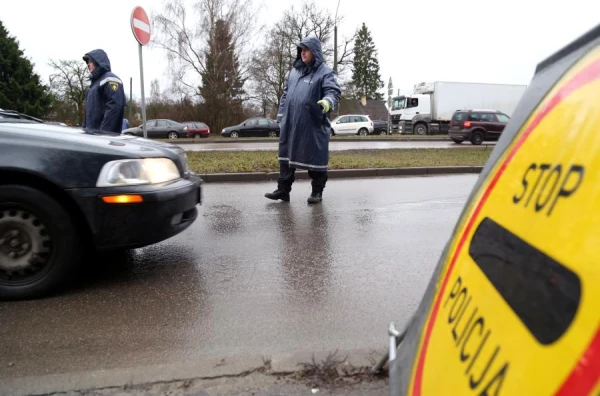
column 220, row 139
column 266, row 161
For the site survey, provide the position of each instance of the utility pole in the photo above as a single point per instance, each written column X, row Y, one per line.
column 390, row 92
column 335, row 49
column 131, row 98
column 335, row 46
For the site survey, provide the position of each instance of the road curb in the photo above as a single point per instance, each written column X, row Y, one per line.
column 206, row 367
column 343, row 173
column 246, row 140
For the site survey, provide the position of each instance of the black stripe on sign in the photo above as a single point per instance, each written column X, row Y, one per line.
column 543, row 293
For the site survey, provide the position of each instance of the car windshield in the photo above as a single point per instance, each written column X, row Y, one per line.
column 503, row 117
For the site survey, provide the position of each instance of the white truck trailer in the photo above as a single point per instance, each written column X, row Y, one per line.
column 429, row 109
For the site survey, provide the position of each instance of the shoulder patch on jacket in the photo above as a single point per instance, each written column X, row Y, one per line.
column 113, row 85
column 111, row 80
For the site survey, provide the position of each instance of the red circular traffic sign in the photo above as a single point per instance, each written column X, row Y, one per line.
column 140, row 25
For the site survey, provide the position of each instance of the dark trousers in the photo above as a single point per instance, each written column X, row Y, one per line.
column 287, row 177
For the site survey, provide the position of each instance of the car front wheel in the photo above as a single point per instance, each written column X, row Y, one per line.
column 172, row 135
column 39, row 243
column 234, row 135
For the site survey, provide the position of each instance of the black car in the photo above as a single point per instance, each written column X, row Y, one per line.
column 253, row 127
column 380, row 127
column 15, row 116
column 66, row 191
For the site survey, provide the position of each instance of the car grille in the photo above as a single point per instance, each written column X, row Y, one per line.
column 396, row 118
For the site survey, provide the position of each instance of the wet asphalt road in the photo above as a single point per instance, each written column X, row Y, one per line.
column 333, row 145
column 250, row 277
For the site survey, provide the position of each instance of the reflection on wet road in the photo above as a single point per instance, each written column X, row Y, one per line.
column 251, row 276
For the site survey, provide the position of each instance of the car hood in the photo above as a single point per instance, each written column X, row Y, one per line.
column 97, row 141
column 231, row 128
column 132, row 129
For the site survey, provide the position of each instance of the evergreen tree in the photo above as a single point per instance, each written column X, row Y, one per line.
column 222, row 84
column 20, row 88
column 365, row 68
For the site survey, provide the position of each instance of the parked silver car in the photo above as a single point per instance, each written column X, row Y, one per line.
column 352, row 124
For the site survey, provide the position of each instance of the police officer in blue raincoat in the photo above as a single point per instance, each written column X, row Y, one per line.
column 310, row 92
column 105, row 101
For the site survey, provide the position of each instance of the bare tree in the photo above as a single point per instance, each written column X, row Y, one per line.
column 69, row 83
column 184, row 30
column 313, row 21
column 155, row 93
column 280, row 51
column 269, row 73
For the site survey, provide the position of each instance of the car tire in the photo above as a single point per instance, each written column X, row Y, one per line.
column 234, row 135
column 420, row 129
column 272, row 134
column 172, row 135
column 40, row 243
column 457, row 141
column 363, row 132
column 383, row 133
column 477, row 138
column 196, row 136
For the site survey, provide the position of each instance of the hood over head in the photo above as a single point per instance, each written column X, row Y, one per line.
column 314, row 45
column 101, row 61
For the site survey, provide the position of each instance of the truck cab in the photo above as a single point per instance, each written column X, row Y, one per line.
column 398, row 106
column 405, row 109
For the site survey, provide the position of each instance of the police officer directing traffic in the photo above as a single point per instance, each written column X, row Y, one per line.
column 310, row 92
column 105, row 102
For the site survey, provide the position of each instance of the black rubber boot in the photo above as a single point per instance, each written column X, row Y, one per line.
column 278, row 194
column 315, row 197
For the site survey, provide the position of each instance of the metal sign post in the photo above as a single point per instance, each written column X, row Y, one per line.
column 140, row 25
column 143, row 96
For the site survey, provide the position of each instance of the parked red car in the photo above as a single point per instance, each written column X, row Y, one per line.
column 197, row 129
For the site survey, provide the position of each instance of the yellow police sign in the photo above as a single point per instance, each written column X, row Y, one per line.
column 517, row 309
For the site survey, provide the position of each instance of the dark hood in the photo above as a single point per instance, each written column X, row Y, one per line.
column 100, row 60
column 314, row 45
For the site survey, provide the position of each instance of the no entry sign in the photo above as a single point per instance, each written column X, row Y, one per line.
column 140, row 25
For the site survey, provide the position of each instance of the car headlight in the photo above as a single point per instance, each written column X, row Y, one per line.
column 137, row 171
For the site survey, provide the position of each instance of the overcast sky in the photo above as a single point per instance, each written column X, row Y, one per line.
column 420, row 40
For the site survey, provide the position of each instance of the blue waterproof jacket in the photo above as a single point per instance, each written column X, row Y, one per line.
column 304, row 129
column 105, row 101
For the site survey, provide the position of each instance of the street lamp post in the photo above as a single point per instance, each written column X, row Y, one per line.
column 335, row 49
column 335, row 39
